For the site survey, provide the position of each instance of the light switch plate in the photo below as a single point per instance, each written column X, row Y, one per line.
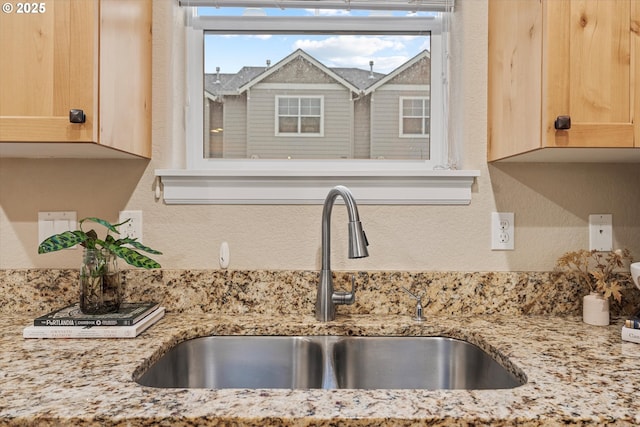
column 50, row 223
column 601, row 232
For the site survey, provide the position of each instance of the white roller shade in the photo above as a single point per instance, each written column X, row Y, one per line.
column 408, row 5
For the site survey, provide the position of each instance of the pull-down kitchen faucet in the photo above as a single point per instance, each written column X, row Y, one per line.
column 327, row 299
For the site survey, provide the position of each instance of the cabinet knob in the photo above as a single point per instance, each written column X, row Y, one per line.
column 563, row 123
column 77, row 116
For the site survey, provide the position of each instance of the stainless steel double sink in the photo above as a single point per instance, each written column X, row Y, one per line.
column 329, row 362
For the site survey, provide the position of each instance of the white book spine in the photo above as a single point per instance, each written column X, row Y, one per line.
column 93, row 331
column 630, row 334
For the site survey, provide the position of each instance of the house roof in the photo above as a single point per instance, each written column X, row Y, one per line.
column 228, row 84
column 386, row 79
column 355, row 79
column 298, row 53
column 358, row 77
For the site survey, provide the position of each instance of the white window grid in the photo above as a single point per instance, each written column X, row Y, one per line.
column 300, row 107
column 414, row 107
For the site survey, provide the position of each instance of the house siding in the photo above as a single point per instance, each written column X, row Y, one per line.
column 299, row 71
column 235, row 127
column 385, row 139
column 385, row 114
column 213, row 119
column 362, row 128
column 262, row 138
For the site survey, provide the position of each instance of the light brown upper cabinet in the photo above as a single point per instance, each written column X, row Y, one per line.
column 564, row 80
column 75, row 79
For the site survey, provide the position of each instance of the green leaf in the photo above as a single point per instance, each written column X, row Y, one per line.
column 137, row 245
column 90, row 240
column 101, row 222
column 132, row 257
column 122, row 223
column 64, row 240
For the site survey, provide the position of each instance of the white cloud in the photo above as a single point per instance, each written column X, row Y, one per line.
column 347, row 45
column 387, row 53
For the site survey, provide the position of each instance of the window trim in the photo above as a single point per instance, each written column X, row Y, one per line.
column 393, row 187
column 251, row 181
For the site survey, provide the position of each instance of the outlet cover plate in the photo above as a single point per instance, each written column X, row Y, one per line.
column 601, row 232
column 502, row 231
column 133, row 228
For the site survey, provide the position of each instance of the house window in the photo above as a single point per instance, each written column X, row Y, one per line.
column 299, row 115
column 312, row 101
column 415, row 118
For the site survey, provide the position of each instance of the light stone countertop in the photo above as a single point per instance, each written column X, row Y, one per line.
column 577, row 374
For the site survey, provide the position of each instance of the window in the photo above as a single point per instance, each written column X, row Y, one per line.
column 299, row 115
column 281, row 126
column 415, row 117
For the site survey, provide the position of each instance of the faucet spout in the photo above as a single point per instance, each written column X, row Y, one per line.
column 326, row 298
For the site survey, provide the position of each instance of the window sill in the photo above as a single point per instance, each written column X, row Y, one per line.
column 434, row 187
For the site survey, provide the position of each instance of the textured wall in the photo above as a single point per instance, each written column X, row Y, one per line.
column 551, row 201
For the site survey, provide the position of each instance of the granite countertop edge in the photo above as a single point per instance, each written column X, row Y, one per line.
column 576, row 374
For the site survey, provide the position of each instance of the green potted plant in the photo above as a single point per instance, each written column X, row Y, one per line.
column 100, row 285
column 600, row 273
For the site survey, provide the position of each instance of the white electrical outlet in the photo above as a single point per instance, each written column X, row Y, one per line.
column 133, row 228
column 601, row 232
column 502, row 231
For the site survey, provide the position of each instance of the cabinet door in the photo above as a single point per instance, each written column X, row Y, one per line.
column 125, row 76
column 589, row 74
column 47, row 67
column 514, row 106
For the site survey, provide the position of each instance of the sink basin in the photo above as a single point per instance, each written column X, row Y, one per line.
column 417, row 362
column 328, row 362
column 239, row 362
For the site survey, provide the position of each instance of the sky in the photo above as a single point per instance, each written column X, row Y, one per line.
column 232, row 52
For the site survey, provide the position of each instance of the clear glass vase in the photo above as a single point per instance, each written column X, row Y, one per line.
column 100, row 285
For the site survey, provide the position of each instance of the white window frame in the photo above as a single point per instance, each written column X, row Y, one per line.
column 401, row 117
column 300, row 116
column 252, row 181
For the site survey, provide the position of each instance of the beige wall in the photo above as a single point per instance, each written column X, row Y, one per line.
column 551, row 201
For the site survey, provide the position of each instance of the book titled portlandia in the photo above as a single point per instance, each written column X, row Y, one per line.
column 94, row 331
column 128, row 314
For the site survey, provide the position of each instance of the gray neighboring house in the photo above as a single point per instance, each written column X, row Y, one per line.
column 300, row 108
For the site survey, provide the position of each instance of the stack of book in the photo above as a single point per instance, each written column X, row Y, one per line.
column 631, row 328
column 69, row 322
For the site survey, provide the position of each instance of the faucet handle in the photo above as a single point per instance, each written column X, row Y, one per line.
column 346, row 298
column 418, row 317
